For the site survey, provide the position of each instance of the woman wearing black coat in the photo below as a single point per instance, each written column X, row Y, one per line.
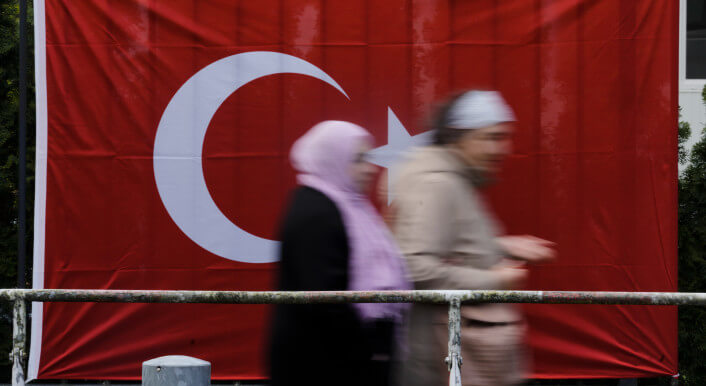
column 332, row 239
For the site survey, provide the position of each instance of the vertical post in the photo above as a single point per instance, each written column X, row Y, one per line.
column 19, row 317
column 22, row 163
column 19, row 338
column 675, row 378
column 454, row 360
column 176, row 370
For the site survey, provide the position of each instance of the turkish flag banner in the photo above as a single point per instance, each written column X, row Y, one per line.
column 163, row 133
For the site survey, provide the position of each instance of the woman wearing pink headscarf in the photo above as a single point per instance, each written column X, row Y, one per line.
column 333, row 239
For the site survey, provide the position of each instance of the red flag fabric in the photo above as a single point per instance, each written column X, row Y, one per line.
column 162, row 160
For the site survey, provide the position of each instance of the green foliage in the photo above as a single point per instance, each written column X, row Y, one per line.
column 9, row 112
column 684, row 131
column 692, row 263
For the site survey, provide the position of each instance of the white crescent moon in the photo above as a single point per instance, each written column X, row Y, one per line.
column 178, row 146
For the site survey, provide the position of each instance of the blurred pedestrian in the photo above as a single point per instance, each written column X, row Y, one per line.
column 451, row 240
column 333, row 239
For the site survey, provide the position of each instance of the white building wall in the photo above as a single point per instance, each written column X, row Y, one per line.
column 690, row 99
column 693, row 111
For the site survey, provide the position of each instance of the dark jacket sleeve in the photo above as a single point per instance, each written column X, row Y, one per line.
column 314, row 257
column 314, row 249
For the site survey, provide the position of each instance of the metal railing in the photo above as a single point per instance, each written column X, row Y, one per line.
column 454, row 299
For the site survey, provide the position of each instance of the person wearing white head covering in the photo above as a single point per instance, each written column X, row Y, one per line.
column 451, row 240
column 478, row 109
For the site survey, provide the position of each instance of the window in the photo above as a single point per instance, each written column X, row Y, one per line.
column 696, row 39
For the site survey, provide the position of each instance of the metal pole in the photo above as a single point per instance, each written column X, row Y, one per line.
column 19, row 314
column 19, row 338
column 454, row 360
column 339, row 297
column 176, row 370
column 22, row 134
column 675, row 378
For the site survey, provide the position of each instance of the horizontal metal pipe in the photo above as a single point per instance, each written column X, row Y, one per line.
column 311, row 297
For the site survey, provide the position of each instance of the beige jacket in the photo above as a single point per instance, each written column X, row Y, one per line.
column 448, row 238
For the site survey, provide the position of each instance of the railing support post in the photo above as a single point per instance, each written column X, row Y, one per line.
column 19, row 339
column 454, row 360
column 675, row 380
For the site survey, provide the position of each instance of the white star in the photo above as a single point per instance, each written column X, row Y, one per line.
column 398, row 142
